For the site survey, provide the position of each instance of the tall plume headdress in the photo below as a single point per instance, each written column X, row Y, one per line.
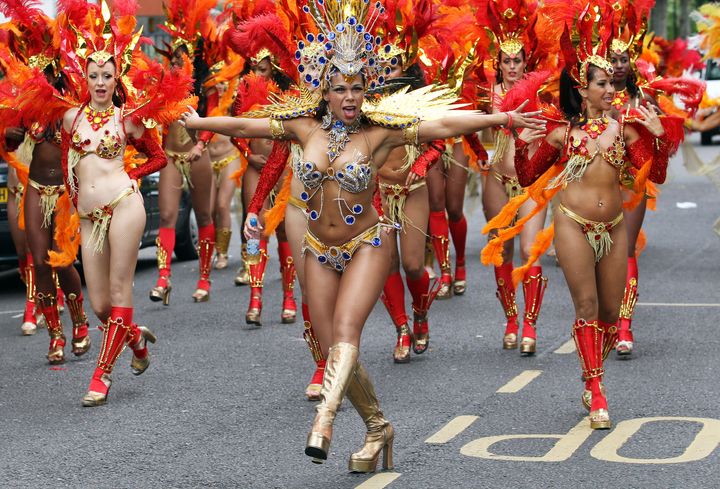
column 30, row 34
column 344, row 42
column 630, row 26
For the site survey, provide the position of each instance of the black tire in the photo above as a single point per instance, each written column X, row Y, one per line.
column 706, row 138
column 186, row 236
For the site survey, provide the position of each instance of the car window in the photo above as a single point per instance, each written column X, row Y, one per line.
column 712, row 70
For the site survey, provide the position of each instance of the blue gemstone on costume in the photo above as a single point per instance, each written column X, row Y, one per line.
column 387, row 48
column 352, row 20
column 376, row 242
column 368, row 47
column 310, row 37
column 331, row 36
column 381, row 79
column 359, row 28
column 378, row 40
column 393, row 61
column 316, row 83
column 298, row 54
column 304, row 196
column 301, row 68
column 328, row 46
column 338, row 267
column 349, row 220
column 321, row 2
column 321, row 38
column 340, row 175
column 371, row 62
column 322, row 60
column 301, row 45
column 340, row 27
column 308, row 78
column 314, row 215
column 346, row 256
column 357, row 208
column 306, row 9
column 322, row 258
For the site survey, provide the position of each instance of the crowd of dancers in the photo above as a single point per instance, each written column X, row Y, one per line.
column 351, row 127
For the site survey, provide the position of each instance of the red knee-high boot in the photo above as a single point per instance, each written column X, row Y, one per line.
column 27, row 273
column 534, row 285
column 256, row 267
column 393, row 297
column 506, row 295
column 287, row 271
column 49, row 309
column 312, row 392
column 80, row 338
column 423, row 294
column 440, row 235
column 625, row 336
column 59, row 293
column 206, row 248
column 165, row 243
column 115, row 333
column 458, row 231
column 588, row 336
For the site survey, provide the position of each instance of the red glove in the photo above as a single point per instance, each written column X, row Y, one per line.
column 156, row 158
column 529, row 170
column 270, row 175
column 428, row 158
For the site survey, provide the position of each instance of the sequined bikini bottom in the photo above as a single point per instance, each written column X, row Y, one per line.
column 49, row 195
column 338, row 257
column 395, row 198
column 597, row 233
column 100, row 218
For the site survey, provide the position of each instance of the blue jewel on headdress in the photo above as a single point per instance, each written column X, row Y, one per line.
column 301, row 68
column 393, row 61
column 368, row 47
column 321, row 38
column 314, row 215
column 378, row 40
column 357, row 208
column 387, row 71
column 331, row 36
column 298, row 54
column 367, row 37
column 381, row 80
column 316, row 83
column 373, row 84
column 321, row 2
column 322, row 258
column 301, row 44
column 387, row 48
column 308, row 78
column 352, row 21
column 306, row 9
column 322, row 60
column 349, row 220
column 310, row 37
column 376, row 242
column 371, row 62
column 340, row 27
column 328, row 46
column 359, row 28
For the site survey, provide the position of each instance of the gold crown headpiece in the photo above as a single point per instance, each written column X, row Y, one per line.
column 510, row 22
column 345, row 34
column 587, row 44
column 630, row 21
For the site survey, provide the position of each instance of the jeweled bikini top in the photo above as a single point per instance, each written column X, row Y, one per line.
column 353, row 177
column 614, row 154
column 109, row 147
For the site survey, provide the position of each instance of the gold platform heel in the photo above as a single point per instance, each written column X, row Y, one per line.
column 588, row 336
column 140, row 365
column 341, row 363
column 222, row 243
column 243, row 274
column 380, row 433
column 159, row 293
column 510, row 341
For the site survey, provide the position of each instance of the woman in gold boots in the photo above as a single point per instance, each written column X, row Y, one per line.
column 347, row 255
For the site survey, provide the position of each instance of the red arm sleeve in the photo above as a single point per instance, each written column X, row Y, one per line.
column 428, row 158
column 529, row 169
column 270, row 175
column 156, row 158
column 213, row 99
column 659, row 149
column 477, row 147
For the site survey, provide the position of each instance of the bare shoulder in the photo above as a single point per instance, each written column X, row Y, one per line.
column 301, row 127
column 69, row 117
column 557, row 136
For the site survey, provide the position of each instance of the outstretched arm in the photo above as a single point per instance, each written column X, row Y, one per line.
column 239, row 127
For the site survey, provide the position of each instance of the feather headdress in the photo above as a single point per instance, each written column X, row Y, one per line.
column 187, row 21
column 30, row 34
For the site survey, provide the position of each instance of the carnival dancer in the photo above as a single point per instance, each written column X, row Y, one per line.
column 262, row 42
column 98, row 60
column 587, row 153
column 513, row 23
column 342, row 151
column 45, row 199
column 192, row 30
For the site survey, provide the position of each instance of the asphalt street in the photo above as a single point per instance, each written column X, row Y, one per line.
column 223, row 406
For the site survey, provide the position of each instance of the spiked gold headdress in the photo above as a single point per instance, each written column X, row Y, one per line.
column 510, row 21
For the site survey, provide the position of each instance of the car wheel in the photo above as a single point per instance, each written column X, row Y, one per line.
column 706, row 138
column 186, row 236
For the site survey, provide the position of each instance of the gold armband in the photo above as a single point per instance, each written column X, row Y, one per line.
column 277, row 130
column 410, row 133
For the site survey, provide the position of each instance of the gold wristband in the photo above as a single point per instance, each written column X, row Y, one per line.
column 277, row 130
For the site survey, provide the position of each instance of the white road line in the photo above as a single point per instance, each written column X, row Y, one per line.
column 18, row 315
column 454, row 427
column 378, row 481
column 677, row 304
column 11, row 312
column 523, row 379
column 567, row 347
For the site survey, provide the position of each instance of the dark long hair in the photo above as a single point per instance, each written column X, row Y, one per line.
column 498, row 71
column 570, row 99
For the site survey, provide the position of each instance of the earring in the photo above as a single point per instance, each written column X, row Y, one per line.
column 327, row 118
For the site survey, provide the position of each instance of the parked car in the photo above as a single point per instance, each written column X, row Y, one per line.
column 186, row 230
column 711, row 75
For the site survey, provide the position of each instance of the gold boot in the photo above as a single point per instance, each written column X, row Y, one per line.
column 243, row 274
column 341, row 363
column 380, row 433
column 222, row 243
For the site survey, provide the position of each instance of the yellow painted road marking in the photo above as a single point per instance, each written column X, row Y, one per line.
column 677, row 304
column 378, row 481
column 567, row 347
column 452, row 429
column 523, row 379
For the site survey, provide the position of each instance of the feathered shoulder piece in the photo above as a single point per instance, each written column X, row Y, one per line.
column 403, row 26
column 289, row 105
column 405, row 108
column 707, row 21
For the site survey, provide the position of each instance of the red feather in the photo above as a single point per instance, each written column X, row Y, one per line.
column 263, row 31
column 525, row 89
column 689, row 90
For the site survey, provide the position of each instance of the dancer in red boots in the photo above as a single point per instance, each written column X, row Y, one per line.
column 511, row 38
column 188, row 152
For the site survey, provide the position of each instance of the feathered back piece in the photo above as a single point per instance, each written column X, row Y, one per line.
column 707, row 21
column 344, row 42
column 30, row 34
column 403, row 25
column 677, row 57
column 187, row 20
column 630, row 20
column 512, row 24
column 263, row 37
column 586, row 35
